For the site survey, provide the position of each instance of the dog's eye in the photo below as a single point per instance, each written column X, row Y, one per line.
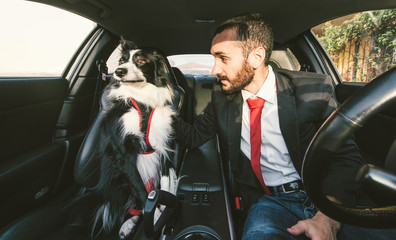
column 121, row 61
column 140, row 61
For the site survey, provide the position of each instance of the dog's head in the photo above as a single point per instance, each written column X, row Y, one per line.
column 141, row 65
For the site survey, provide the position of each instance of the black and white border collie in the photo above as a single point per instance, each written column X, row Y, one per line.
column 135, row 135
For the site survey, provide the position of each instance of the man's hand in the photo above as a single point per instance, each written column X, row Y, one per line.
column 320, row 227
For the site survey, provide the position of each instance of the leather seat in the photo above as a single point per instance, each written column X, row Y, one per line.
column 62, row 219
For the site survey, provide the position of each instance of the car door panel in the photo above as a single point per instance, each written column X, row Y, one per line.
column 30, row 158
column 28, row 180
column 29, row 109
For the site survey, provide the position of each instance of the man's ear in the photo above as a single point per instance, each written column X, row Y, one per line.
column 257, row 57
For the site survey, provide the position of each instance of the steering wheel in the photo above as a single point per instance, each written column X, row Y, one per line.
column 343, row 122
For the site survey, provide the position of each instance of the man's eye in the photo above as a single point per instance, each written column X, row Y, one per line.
column 223, row 59
column 140, row 61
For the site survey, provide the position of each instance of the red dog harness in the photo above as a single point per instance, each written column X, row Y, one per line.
column 146, row 129
column 149, row 185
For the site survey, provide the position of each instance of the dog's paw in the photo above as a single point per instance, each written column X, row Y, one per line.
column 127, row 227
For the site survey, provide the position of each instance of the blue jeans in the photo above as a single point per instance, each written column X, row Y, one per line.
column 270, row 217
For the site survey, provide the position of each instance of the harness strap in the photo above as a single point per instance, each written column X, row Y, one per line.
column 149, row 149
column 140, row 113
column 149, row 187
column 148, row 129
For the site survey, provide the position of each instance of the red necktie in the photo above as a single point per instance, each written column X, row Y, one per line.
column 256, row 106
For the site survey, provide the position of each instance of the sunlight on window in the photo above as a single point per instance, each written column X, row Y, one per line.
column 362, row 45
column 194, row 64
column 38, row 40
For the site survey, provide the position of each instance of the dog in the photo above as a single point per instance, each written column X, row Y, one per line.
column 135, row 135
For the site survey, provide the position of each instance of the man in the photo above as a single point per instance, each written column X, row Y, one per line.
column 266, row 173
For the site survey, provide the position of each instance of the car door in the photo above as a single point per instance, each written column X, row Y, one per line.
column 37, row 55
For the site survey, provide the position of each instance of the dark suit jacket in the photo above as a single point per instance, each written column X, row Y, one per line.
column 305, row 100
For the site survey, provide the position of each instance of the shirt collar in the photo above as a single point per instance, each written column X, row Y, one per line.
column 267, row 91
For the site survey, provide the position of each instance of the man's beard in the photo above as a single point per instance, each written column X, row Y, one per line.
column 243, row 78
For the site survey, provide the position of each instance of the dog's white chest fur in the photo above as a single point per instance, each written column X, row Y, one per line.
column 160, row 129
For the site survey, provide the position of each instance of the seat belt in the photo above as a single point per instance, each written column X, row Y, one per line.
column 101, row 81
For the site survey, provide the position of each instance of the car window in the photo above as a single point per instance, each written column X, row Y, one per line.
column 362, row 45
column 38, row 40
column 194, row 64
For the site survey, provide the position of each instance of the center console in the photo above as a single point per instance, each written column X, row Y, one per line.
column 204, row 211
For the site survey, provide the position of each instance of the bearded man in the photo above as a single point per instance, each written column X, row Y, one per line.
column 265, row 119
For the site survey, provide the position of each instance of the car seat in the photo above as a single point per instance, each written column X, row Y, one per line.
column 62, row 219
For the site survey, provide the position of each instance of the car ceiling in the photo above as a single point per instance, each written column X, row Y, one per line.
column 187, row 26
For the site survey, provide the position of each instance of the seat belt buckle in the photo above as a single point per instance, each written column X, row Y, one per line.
column 239, row 204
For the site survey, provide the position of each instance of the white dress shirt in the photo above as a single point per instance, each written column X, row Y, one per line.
column 276, row 165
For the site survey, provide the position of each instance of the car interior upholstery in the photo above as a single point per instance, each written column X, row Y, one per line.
column 48, row 133
column 201, row 192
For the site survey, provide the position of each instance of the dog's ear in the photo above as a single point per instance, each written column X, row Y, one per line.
column 161, row 70
column 127, row 45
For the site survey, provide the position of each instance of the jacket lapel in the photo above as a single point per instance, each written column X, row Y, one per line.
column 288, row 120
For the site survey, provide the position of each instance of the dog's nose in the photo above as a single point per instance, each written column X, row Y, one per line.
column 120, row 72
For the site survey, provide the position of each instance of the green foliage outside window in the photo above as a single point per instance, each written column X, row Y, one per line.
column 364, row 46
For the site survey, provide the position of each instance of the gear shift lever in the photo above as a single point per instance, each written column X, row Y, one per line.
column 154, row 199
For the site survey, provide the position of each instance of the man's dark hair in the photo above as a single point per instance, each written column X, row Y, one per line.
column 252, row 31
